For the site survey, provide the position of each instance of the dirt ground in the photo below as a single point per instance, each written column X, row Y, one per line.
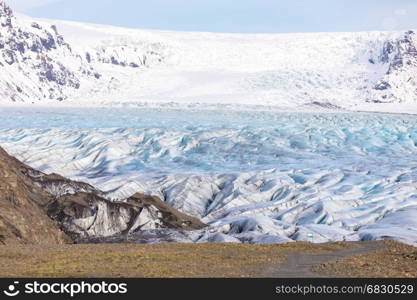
column 374, row 259
column 395, row 260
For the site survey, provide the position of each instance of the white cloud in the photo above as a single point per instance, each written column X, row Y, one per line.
column 24, row 5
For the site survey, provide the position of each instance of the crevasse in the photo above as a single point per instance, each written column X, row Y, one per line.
column 256, row 177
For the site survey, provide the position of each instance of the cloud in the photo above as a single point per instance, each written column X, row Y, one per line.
column 25, row 5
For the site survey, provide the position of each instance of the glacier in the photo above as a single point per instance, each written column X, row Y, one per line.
column 253, row 176
column 268, row 138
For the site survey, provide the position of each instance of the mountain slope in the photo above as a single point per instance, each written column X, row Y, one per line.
column 399, row 81
column 330, row 70
column 22, row 218
column 37, row 63
column 35, row 207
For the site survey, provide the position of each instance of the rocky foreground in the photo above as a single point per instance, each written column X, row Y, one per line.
column 36, row 208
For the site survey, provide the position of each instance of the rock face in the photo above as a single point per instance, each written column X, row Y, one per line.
column 37, row 63
column 399, row 82
column 89, row 216
column 45, row 209
column 22, row 216
column 126, row 55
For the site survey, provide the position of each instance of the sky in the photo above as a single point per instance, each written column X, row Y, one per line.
column 234, row 16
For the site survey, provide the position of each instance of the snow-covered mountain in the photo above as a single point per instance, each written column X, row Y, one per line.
column 36, row 62
column 87, row 64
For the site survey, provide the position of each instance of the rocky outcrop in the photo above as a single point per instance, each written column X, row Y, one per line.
column 89, row 216
column 127, row 55
column 37, row 208
column 399, row 82
column 36, row 62
column 405, row 53
column 22, row 216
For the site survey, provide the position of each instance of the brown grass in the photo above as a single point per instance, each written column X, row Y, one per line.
column 396, row 261
column 161, row 260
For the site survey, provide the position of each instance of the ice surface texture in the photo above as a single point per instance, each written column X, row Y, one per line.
column 255, row 177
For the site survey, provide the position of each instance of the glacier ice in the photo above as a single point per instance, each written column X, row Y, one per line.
column 254, row 177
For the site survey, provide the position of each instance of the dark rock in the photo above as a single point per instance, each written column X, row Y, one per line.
column 6, row 15
column 22, row 218
column 114, row 61
column 387, row 50
column 55, row 29
column 9, row 57
column 323, row 105
column 383, row 85
column 20, row 47
column 49, row 42
column 36, row 25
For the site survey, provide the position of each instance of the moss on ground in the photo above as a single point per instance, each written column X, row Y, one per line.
column 397, row 260
column 184, row 260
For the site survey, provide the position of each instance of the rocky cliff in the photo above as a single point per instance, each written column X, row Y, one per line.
column 37, row 208
column 37, row 63
column 399, row 81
